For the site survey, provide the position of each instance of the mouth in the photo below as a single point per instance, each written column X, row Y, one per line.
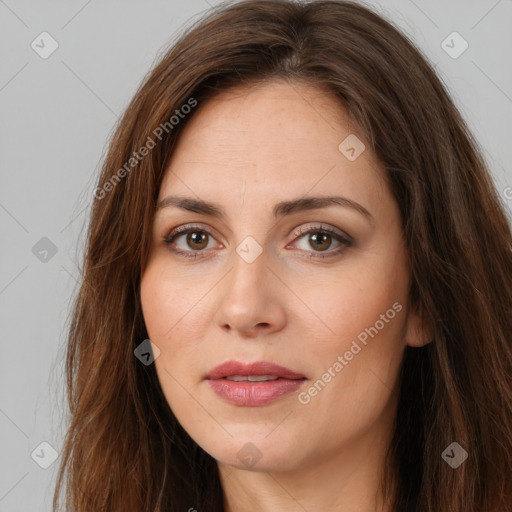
column 253, row 384
column 251, row 378
column 257, row 371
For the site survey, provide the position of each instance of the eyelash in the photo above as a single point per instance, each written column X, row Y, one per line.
column 299, row 233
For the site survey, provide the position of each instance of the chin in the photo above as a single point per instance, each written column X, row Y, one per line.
column 252, row 454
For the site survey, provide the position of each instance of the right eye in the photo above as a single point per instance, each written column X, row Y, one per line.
column 195, row 239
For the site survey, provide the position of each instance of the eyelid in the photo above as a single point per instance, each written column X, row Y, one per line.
column 324, row 228
column 186, row 227
column 341, row 237
column 297, row 233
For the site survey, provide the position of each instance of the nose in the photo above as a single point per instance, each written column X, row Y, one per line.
column 253, row 298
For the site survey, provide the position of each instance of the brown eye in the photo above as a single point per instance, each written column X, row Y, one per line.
column 323, row 240
column 320, row 240
column 196, row 239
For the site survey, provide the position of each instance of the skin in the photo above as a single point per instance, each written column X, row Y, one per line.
column 246, row 150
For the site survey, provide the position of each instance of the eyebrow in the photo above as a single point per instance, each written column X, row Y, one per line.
column 280, row 209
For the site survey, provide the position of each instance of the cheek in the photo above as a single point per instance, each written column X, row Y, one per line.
column 364, row 320
column 163, row 312
column 157, row 305
column 368, row 344
column 349, row 305
column 355, row 372
column 167, row 305
column 174, row 317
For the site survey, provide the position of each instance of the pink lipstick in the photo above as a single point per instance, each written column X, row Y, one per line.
column 253, row 384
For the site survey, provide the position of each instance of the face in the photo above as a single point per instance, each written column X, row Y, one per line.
column 271, row 275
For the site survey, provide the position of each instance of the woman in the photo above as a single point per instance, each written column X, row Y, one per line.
column 219, row 359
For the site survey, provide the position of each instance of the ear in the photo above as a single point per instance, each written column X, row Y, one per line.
column 419, row 332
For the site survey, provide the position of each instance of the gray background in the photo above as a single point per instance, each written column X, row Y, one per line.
column 56, row 117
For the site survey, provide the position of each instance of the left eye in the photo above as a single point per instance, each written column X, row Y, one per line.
column 322, row 237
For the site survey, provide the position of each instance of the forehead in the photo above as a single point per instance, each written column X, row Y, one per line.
column 273, row 138
column 271, row 115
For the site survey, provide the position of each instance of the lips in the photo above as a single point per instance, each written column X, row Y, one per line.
column 259, row 368
column 253, row 384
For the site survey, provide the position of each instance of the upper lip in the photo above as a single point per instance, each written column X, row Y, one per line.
column 230, row 368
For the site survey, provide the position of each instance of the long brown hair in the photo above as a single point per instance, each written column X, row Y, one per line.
column 124, row 450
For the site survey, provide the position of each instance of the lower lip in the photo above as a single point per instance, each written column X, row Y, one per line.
column 247, row 393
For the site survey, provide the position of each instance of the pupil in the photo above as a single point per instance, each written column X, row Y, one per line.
column 197, row 238
column 317, row 236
